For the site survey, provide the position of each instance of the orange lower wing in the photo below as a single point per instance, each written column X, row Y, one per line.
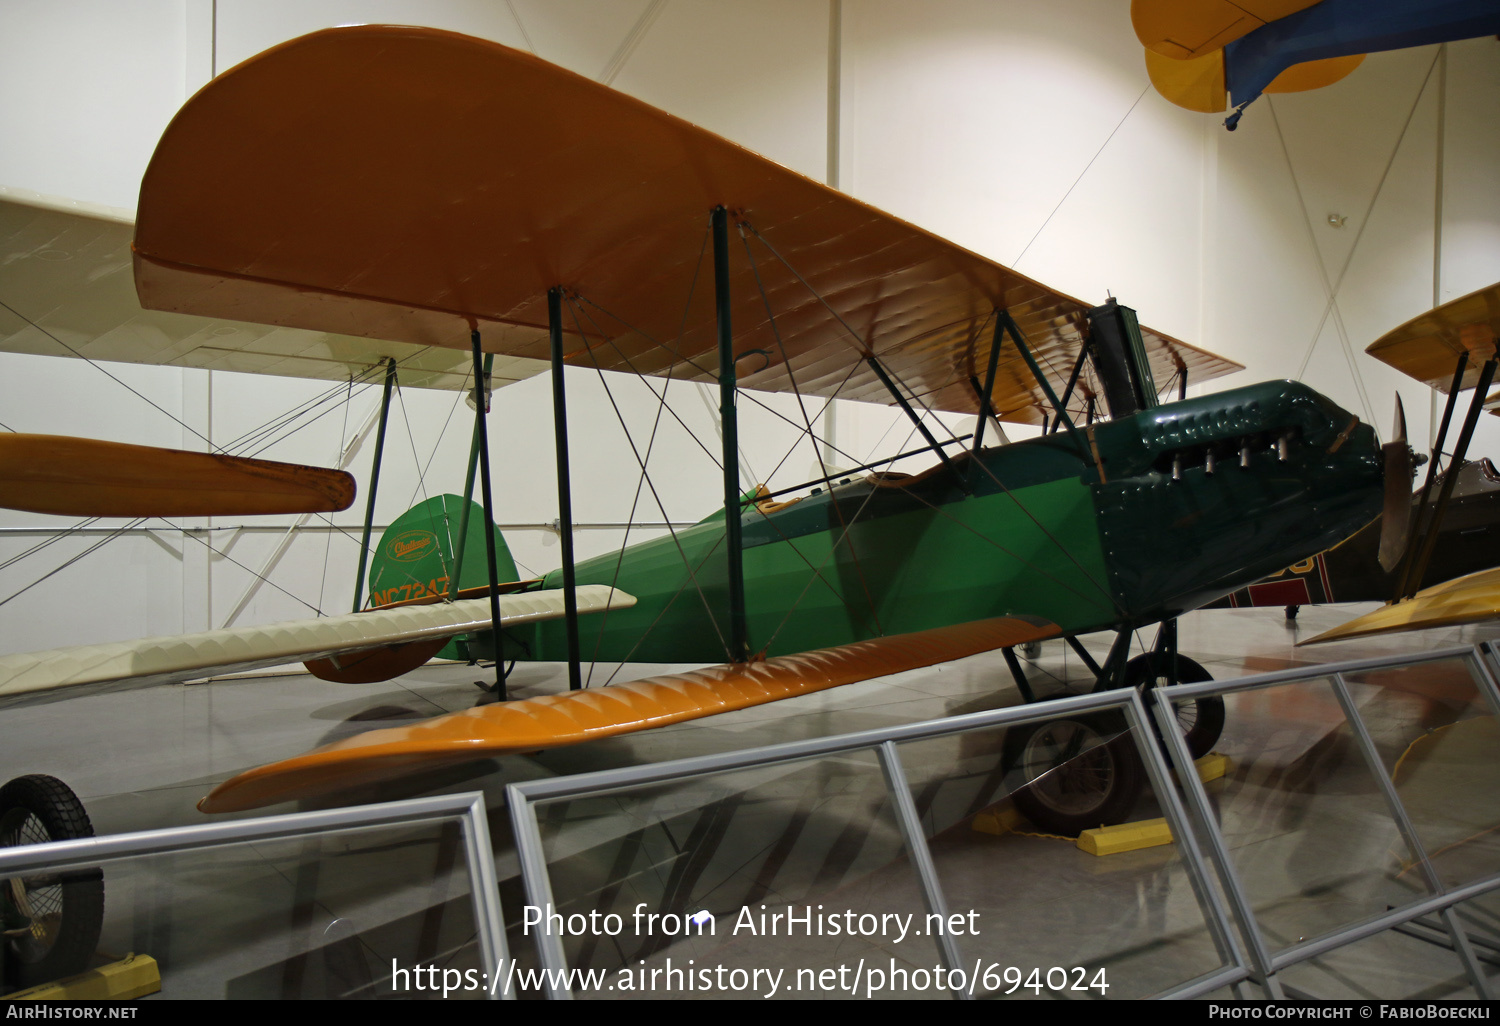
column 556, row 720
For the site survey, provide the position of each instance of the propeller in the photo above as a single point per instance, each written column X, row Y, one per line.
column 86, row 477
column 1395, row 515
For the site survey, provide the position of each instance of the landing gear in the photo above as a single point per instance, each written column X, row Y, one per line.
column 51, row 920
column 1077, row 773
column 1084, row 772
column 1202, row 721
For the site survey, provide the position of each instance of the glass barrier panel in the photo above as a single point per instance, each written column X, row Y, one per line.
column 1393, row 965
column 1034, row 913
column 371, row 912
column 1440, row 744
column 1480, row 919
column 1306, row 826
column 787, row 880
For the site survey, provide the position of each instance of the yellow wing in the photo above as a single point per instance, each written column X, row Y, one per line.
column 1474, row 598
column 555, row 720
column 1427, row 346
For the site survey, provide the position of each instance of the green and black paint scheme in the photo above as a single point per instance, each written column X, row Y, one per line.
column 1120, row 524
column 1468, row 540
column 1087, row 540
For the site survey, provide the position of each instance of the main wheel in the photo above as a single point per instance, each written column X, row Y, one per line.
column 1076, row 773
column 1202, row 721
column 52, row 920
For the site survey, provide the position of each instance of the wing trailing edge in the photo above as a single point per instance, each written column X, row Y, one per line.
column 555, row 720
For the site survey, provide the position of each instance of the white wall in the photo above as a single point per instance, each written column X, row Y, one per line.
column 1024, row 131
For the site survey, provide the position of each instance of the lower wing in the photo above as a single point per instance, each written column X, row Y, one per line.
column 38, row 676
column 1473, row 598
column 555, row 720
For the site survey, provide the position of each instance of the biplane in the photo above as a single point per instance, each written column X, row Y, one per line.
column 1451, row 348
column 441, row 191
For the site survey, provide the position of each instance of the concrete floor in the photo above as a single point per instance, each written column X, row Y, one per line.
column 1304, row 820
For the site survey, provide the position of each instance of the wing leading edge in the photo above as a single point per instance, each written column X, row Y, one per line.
column 555, row 720
column 346, row 213
column 1474, row 598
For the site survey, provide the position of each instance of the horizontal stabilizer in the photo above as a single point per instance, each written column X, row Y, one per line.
column 30, row 675
column 555, row 720
column 1470, row 599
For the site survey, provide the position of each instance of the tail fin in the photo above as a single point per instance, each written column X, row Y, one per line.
column 416, row 557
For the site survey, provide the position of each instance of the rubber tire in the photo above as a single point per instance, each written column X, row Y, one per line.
column 27, row 803
column 1208, row 719
column 1056, row 804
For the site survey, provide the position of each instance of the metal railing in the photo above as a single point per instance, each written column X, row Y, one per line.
column 466, row 809
column 1241, row 944
column 1265, row 962
column 1245, row 955
column 525, row 798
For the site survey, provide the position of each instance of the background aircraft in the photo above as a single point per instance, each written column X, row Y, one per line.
column 1452, row 348
column 1210, row 55
column 1468, row 538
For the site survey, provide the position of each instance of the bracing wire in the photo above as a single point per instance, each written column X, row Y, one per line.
column 175, row 419
column 802, row 405
column 1066, row 552
column 91, row 549
column 650, row 447
column 672, row 531
column 338, row 460
column 282, row 422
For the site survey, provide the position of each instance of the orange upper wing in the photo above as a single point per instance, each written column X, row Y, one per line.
column 404, row 183
column 1427, row 346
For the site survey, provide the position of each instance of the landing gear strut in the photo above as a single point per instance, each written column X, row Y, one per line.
column 1085, row 772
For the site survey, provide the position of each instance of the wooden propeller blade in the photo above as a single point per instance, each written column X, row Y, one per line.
column 85, row 477
column 1395, row 515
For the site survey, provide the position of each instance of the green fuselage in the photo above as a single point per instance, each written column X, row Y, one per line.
column 1089, row 532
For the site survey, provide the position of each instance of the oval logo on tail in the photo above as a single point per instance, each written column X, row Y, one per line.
column 409, row 546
